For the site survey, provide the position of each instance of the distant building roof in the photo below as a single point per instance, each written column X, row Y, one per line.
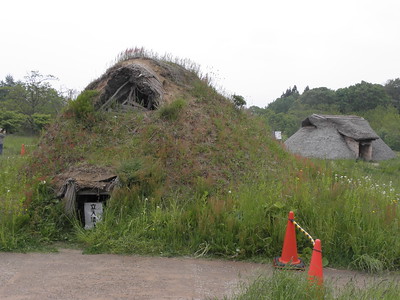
column 351, row 126
column 330, row 136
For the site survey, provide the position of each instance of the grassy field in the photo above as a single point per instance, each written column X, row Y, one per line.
column 353, row 207
column 13, row 144
column 291, row 285
column 12, row 197
column 354, row 213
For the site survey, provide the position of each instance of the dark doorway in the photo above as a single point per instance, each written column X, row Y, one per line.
column 365, row 151
column 83, row 197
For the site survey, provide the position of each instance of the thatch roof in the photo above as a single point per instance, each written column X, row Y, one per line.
column 83, row 179
column 324, row 136
column 86, row 177
column 351, row 126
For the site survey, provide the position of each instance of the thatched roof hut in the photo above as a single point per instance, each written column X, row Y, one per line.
column 338, row 137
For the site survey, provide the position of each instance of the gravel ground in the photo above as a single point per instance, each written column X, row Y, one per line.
column 69, row 275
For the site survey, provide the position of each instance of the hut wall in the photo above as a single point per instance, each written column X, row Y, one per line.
column 353, row 145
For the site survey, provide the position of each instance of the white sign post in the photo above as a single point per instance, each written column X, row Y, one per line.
column 93, row 214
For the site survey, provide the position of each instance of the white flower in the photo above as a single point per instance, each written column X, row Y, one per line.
column 229, row 192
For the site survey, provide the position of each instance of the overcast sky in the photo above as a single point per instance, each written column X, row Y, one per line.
column 256, row 49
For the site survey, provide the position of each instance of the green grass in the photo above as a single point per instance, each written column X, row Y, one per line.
column 211, row 182
column 200, row 177
column 13, row 144
column 356, row 219
column 25, row 225
column 12, row 197
column 294, row 285
column 353, row 207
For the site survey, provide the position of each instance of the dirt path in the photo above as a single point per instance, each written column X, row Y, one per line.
column 70, row 275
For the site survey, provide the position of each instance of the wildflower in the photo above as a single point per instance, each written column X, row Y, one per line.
column 229, row 192
column 373, row 211
column 8, row 191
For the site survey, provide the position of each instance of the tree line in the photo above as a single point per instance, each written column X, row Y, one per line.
column 379, row 104
column 27, row 106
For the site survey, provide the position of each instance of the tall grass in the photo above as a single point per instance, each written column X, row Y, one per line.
column 289, row 285
column 141, row 52
column 25, row 225
column 356, row 219
column 13, row 214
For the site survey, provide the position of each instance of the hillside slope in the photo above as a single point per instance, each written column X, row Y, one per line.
column 160, row 128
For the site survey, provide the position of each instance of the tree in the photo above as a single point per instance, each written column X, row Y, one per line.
column 386, row 122
column 35, row 96
column 41, row 120
column 362, row 97
column 11, row 121
column 283, row 104
column 5, row 87
column 317, row 96
column 392, row 88
column 291, row 92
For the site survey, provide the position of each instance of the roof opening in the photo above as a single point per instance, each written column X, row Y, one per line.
column 132, row 87
column 307, row 123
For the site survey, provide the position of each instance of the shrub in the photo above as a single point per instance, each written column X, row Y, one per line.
column 171, row 111
column 83, row 106
column 238, row 101
column 143, row 176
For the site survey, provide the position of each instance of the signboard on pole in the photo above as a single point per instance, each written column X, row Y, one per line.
column 93, row 213
column 278, row 135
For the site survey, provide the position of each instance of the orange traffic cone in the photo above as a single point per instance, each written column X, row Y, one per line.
column 289, row 258
column 315, row 272
column 23, row 149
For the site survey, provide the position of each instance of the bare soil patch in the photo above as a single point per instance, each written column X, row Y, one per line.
column 70, row 275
